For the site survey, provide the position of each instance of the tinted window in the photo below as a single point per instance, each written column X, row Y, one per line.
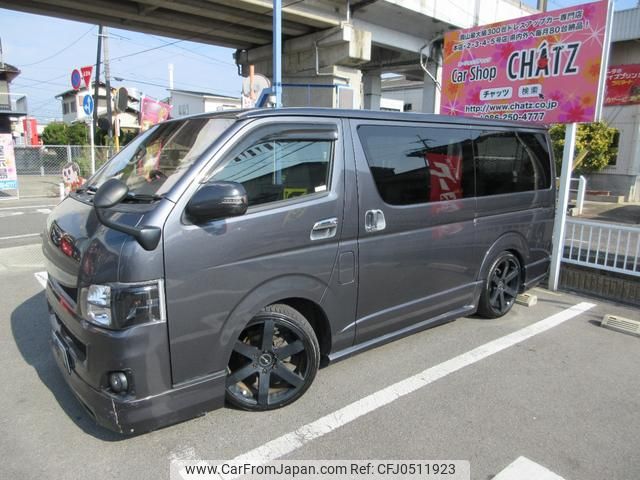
column 419, row 164
column 509, row 162
column 280, row 169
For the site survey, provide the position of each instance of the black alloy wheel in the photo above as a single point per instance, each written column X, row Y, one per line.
column 274, row 361
column 501, row 287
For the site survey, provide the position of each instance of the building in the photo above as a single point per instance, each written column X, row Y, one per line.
column 399, row 88
column 72, row 111
column 11, row 105
column 623, row 177
column 187, row 102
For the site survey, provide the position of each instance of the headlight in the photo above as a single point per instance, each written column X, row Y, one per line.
column 122, row 305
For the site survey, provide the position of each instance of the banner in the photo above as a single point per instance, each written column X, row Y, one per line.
column 623, row 85
column 544, row 68
column 8, row 174
column 152, row 112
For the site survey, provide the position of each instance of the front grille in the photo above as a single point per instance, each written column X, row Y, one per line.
column 71, row 292
column 79, row 348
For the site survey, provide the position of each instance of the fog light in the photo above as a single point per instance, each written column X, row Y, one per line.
column 118, row 382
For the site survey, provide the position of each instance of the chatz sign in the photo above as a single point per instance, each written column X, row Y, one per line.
column 544, row 68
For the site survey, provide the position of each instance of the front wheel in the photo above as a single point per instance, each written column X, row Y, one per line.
column 501, row 286
column 274, row 361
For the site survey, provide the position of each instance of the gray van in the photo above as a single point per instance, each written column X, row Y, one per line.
column 228, row 256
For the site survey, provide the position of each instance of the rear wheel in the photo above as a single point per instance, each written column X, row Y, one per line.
column 501, row 286
column 274, row 361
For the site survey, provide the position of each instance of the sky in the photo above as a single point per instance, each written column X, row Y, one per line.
column 47, row 49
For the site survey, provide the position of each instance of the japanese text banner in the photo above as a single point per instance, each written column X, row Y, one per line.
column 543, row 68
column 623, row 85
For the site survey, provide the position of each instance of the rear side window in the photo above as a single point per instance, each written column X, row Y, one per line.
column 276, row 170
column 412, row 165
column 510, row 162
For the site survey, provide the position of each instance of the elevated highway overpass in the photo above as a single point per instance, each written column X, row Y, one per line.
column 342, row 43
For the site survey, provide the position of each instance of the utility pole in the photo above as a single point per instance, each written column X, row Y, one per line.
column 96, row 85
column 277, row 52
column 107, row 82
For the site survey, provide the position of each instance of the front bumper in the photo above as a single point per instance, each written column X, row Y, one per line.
column 85, row 354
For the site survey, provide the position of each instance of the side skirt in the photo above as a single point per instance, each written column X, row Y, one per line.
column 390, row 337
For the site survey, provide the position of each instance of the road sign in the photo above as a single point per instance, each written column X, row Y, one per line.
column 86, row 75
column 87, row 105
column 76, row 79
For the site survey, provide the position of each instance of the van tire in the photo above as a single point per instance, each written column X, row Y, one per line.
column 501, row 286
column 256, row 379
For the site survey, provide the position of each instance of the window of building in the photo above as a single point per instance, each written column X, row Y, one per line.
column 508, row 162
column 183, row 109
column 412, row 165
column 615, row 144
column 276, row 170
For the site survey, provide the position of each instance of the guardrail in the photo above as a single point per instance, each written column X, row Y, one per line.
column 604, row 246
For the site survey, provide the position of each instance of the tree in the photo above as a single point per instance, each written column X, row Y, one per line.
column 58, row 133
column 77, row 134
column 54, row 134
column 594, row 142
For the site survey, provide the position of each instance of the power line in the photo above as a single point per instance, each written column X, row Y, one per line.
column 60, row 51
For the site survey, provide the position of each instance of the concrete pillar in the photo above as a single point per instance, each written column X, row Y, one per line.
column 372, row 90
column 430, row 93
column 320, row 69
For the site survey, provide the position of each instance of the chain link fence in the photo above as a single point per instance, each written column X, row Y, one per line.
column 39, row 169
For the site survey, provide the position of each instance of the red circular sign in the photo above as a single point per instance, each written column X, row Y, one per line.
column 76, row 79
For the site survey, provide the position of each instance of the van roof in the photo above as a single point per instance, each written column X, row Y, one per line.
column 366, row 114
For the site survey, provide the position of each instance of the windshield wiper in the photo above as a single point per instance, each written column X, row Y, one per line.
column 89, row 189
column 141, row 197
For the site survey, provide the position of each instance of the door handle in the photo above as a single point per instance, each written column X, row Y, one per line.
column 323, row 229
column 374, row 221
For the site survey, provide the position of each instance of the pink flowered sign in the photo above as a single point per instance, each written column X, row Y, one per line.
column 544, row 68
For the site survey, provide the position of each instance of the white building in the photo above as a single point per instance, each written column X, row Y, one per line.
column 623, row 177
column 72, row 111
column 187, row 102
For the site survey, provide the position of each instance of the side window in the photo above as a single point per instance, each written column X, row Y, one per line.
column 274, row 170
column 509, row 162
column 412, row 165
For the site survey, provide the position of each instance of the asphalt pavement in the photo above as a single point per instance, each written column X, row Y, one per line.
column 565, row 398
column 22, row 221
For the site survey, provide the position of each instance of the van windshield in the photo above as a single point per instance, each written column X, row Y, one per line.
column 152, row 163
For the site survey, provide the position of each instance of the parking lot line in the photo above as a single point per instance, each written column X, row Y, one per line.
column 27, row 206
column 14, row 237
column 524, row 469
column 291, row 441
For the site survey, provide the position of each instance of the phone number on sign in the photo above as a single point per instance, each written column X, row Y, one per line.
column 524, row 117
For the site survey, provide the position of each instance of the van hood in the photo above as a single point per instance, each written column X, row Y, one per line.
column 78, row 249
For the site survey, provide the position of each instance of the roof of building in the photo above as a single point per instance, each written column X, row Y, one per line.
column 202, row 94
column 626, row 25
column 9, row 71
column 400, row 83
column 364, row 114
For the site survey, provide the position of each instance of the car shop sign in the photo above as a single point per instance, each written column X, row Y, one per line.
column 544, row 68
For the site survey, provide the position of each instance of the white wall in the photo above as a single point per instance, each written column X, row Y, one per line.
column 185, row 104
column 219, row 104
column 411, row 96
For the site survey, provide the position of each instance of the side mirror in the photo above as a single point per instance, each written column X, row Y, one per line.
column 217, row 200
column 110, row 193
